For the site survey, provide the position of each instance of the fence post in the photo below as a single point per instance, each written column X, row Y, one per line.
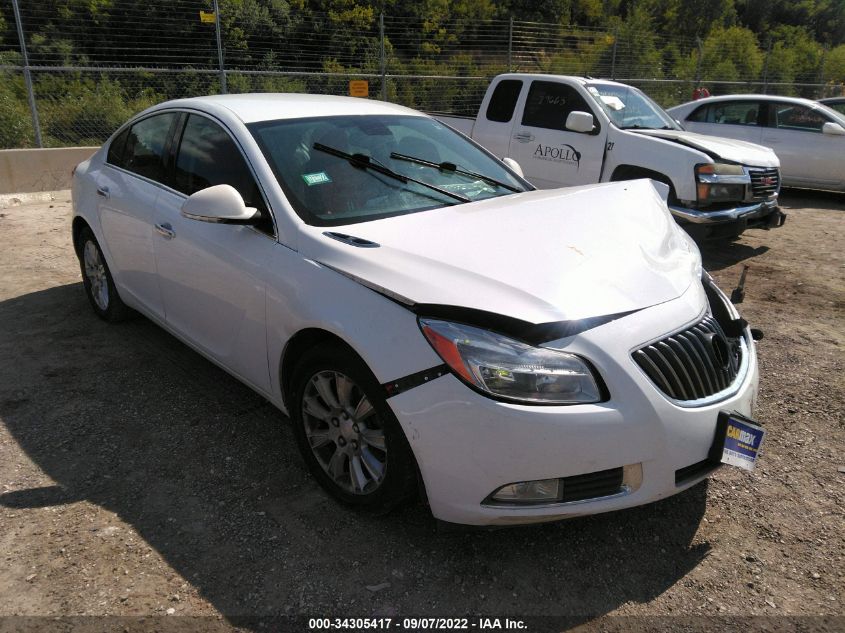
column 27, row 77
column 766, row 67
column 223, row 87
column 383, row 57
column 700, row 50
column 613, row 58
column 510, row 45
column 823, row 89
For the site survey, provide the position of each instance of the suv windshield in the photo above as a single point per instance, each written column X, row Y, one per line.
column 347, row 169
column 630, row 109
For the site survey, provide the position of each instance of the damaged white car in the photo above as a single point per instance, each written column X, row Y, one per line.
column 428, row 321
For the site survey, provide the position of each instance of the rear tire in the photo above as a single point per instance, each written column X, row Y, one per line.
column 347, row 434
column 97, row 280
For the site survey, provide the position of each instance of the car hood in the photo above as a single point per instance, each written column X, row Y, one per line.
column 726, row 148
column 539, row 256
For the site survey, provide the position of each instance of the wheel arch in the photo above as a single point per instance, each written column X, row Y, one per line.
column 633, row 172
column 294, row 349
column 79, row 223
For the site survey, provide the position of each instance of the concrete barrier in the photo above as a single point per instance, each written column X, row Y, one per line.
column 37, row 170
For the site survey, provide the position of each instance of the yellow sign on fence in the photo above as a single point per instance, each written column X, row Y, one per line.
column 359, row 88
column 207, row 17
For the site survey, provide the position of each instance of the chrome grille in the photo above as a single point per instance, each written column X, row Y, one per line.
column 696, row 363
column 764, row 182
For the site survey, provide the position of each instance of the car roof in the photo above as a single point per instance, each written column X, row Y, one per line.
column 832, row 100
column 268, row 106
column 752, row 97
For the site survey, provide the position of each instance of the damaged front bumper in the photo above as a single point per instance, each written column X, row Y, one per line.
column 763, row 214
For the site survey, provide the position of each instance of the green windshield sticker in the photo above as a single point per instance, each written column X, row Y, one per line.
column 317, row 178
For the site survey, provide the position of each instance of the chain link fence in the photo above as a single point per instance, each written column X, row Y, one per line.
column 71, row 77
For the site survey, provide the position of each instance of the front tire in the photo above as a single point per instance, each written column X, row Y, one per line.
column 97, row 280
column 347, row 434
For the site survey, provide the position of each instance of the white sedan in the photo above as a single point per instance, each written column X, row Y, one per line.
column 808, row 137
column 427, row 320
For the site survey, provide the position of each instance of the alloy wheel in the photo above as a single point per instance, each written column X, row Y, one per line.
column 344, row 432
column 95, row 272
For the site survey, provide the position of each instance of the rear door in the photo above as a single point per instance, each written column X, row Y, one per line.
column 549, row 154
column 496, row 117
column 212, row 276
column 743, row 119
column 127, row 190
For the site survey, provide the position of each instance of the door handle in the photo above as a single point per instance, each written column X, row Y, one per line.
column 165, row 230
column 523, row 137
column 103, row 192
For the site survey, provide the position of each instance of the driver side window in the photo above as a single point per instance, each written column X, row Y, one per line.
column 549, row 103
column 208, row 156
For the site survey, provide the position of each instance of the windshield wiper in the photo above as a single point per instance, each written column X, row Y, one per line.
column 452, row 167
column 362, row 161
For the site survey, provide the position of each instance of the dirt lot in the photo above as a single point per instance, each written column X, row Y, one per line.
column 136, row 479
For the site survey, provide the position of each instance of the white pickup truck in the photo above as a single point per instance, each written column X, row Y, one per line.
column 572, row 131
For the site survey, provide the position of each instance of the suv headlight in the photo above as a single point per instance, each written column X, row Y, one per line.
column 510, row 369
column 720, row 182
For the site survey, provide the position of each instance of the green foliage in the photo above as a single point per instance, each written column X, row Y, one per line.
column 787, row 41
column 89, row 110
column 15, row 117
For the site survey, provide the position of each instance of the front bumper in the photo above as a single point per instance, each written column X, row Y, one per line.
column 764, row 213
column 468, row 445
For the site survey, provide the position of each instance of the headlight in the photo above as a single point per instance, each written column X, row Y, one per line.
column 510, row 369
column 721, row 182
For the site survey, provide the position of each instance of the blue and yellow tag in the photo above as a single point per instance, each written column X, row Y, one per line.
column 742, row 440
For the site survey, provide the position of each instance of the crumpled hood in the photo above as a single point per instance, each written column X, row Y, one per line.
column 538, row 256
column 729, row 149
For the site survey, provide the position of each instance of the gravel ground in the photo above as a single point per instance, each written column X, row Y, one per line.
column 137, row 479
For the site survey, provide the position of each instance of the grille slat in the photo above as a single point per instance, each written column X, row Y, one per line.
column 693, row 364
column 764, row 182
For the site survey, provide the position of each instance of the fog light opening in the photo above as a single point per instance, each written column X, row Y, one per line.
column 538, row 491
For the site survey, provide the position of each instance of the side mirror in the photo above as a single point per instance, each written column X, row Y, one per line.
column 514, row 166
column 221, row 204
column 833, row 128
column 582, row 122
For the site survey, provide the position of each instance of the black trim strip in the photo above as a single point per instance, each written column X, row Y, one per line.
column 531, row 333
column 400, row 385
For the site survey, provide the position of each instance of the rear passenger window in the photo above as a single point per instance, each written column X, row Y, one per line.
column 503, row 102
column 699, row 115
column 116, row 149
column 549, row 104
column 728, row 113
column 144, row 151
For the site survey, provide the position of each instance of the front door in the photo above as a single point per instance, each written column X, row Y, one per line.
column 549, row 154
column 807, row 156
column 212, row 276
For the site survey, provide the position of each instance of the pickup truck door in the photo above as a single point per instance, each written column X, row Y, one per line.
column 549, row 154
column 495, row 120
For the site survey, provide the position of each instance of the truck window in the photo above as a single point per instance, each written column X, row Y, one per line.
column 549, row 104
column 503, row 102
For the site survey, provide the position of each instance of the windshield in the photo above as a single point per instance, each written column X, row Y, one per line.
column 631, row 109
column 347, row 169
